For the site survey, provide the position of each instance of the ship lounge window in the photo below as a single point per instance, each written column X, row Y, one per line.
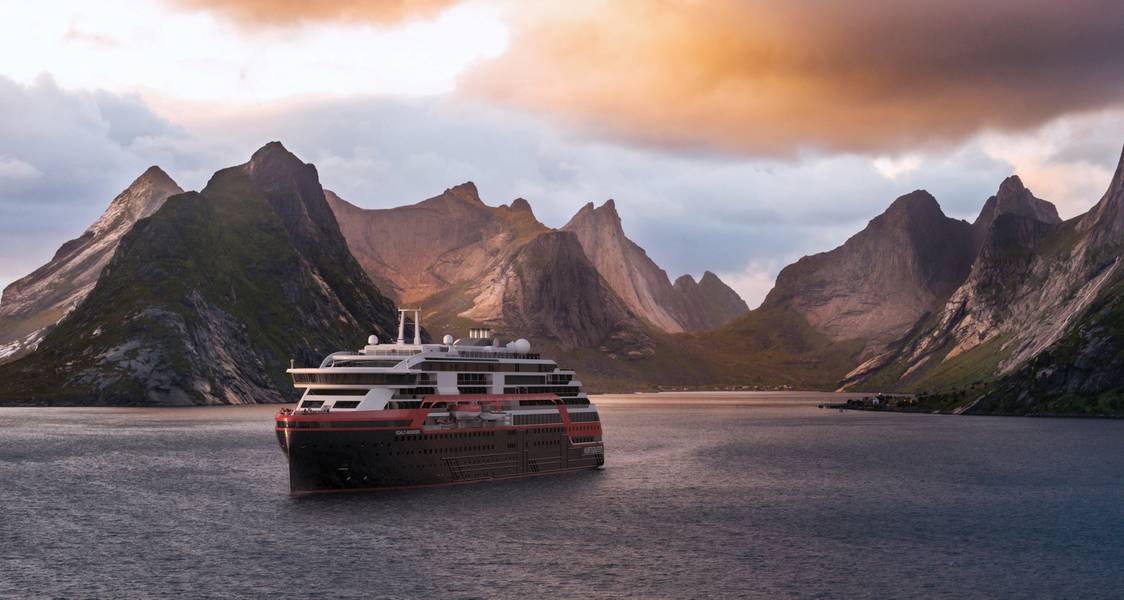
column 355, row 378
column 338, row 391
column 346, row 404
column 472, row 390
column 471, row 378
column 312, row 404
column 365, row 363
column 576, row 401
column 561, row 390
column 559, row 378
column 582, row 417
column 524, row 379
column 484, row 367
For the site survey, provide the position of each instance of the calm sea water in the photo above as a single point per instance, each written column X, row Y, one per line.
column 704, row 495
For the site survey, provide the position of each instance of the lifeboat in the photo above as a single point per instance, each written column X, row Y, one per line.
column 492, row 414
column 465, row 411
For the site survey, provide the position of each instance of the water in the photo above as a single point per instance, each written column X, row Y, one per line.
column 750, row 495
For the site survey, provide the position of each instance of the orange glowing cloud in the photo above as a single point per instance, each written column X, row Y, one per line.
column 287, row 12
column 773, row 78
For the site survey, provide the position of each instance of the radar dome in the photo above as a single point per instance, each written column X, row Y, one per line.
column 447, row 340
column 373, row 340
column 521, row 346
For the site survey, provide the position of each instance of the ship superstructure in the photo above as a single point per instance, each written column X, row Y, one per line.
column 411, row 414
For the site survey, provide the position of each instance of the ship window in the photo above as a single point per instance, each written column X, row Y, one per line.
column 537, row 419
column 583, row 417
column 524, row 379
column 355, row 378
column 561, row 390
column 312, row 404
column 346, row 404
column 338, row 391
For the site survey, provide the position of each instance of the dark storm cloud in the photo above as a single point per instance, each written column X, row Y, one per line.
column 770, row 78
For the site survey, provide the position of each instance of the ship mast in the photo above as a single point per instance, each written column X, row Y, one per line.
column 402, row 325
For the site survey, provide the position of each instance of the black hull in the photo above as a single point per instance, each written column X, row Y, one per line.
column 354, row 460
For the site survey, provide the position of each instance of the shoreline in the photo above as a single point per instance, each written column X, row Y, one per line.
column 952, row 413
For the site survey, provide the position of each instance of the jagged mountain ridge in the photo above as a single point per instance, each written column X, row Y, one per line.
column 642, row 284
column 31, row 305
column 708, row 303
column 1035, row 323
column 206, row 300
column 883, row 279
column 466, row 262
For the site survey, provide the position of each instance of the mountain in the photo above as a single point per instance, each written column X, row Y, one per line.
column 450, row 240
column 1059, row 341
column 643, row 285
column 709, row 303
column 880, row 282
column 32, row 305
column 206, row 300
column 1036, row 325
column 467, row 263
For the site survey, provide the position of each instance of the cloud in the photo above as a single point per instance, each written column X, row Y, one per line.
column 750, row 76
column 287, row 12
column 64, row 155
column 174, row 56
column 14, row 168
column 893, row 167
column 1069, row 162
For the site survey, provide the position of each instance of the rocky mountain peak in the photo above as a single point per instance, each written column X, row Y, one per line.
column 154, row 175
column 1105, row 221
column 273, row 158
column 466, row 191
column 604, row 218
column 33, row 304
column 1012, row 185
column 918, row 204
column 709, row 277
column 1013, row 198
column 521, row 205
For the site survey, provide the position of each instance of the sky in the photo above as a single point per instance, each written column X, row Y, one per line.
column 734, row 135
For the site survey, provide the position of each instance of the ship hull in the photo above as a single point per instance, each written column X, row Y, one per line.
column 326, row 459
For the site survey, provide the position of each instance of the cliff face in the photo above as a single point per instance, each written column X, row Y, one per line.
column 467, row 263
column 1066, row 339
column 1013, row 198
column 642, row 285
column 877, row 285
column 1036, row 319
column 32, row 305
column 445, row 241
column 550, row 289
column 708, row 304
column 205, row 301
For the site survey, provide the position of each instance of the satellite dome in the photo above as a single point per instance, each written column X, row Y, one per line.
column 521, row 346
column 373, row 340
column 447, row 340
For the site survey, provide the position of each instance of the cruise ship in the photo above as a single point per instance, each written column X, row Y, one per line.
column 398, row 415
